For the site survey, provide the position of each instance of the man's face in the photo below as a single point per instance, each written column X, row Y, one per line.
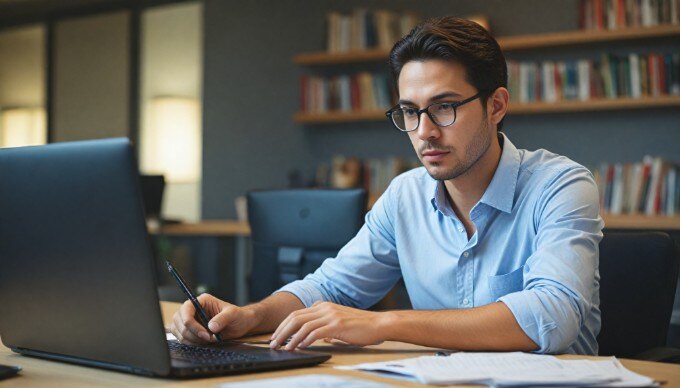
column 446, row 152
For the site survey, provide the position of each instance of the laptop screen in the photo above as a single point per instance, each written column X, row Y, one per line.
column 77, row 276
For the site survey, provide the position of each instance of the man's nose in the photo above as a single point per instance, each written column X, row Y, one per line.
column 427, row 129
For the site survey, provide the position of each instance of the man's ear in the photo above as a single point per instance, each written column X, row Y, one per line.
column 497, row 105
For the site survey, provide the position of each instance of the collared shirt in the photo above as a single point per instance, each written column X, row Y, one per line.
column 535, row 249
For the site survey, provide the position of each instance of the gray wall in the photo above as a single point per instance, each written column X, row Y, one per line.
column 251, row 92
column 91, row 77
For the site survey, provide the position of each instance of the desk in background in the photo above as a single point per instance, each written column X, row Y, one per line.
column 41, row 373
column 240, row 232
column 216, row 230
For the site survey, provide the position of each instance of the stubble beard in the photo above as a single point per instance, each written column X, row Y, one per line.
column 475, row 150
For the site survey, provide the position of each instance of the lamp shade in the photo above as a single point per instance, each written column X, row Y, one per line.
column 22, row 127
column 172, row 142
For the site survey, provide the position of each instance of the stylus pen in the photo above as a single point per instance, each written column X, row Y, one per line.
column 187, row 291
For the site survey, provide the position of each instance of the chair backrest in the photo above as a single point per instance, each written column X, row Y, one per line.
column 294, row 231
column 639, row 274
column 153, row 187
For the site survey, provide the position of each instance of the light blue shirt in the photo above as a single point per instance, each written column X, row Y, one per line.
column 535, row 249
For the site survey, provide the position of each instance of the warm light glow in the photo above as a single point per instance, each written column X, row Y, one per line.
column 22, row 127
column 172, row 142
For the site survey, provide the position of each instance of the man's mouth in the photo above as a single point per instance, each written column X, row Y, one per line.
column 434, row 155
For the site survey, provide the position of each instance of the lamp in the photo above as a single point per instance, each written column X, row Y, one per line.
column 171, row 144
column 22, row 127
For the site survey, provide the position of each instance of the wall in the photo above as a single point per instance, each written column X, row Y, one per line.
column 22, row 67
column 251, row 142
column 171, row 65
column 91, row 77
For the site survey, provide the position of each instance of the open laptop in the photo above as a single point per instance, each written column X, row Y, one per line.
column 77, row 277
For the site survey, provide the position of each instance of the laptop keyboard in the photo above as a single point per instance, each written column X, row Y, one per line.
column 205, row 355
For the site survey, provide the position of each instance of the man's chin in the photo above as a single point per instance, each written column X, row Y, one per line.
column 441, row 173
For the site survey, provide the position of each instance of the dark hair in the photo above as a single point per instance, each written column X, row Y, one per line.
column 454, row 39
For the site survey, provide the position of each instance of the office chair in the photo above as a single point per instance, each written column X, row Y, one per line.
column 294, row 231
column 639, row 274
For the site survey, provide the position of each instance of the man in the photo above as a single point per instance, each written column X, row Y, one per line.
column 498, row 247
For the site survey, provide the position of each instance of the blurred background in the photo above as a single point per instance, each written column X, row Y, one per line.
column 221, row 97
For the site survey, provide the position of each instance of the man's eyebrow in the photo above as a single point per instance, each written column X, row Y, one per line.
column 439, row 96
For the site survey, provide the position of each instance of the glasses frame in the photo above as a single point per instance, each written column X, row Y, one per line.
column 453, row 105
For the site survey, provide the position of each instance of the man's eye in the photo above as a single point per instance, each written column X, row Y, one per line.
column 444, row 108
column 409, row 112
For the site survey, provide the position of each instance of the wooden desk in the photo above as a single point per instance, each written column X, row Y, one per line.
column 40, row 373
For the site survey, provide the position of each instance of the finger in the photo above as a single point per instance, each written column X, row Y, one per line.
column 184, row 332
column 292, row 316
column 225, row 320
column 323, row 331
column 300, row 336
column 291, row 326
column 276, row 339
column 187, row 313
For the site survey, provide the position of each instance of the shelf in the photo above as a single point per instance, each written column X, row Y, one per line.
column 593, row 105
column 567, row 38
column 326, row 58
column 339, row 117
column 510, row 43
column 513, row 109
column 641, row 222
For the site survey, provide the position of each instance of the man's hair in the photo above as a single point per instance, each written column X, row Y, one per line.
column 454, row 39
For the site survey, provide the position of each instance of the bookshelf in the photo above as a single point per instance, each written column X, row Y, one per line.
column 640, row 221
column 514, row 108
column 511, row 43
column 516, row 44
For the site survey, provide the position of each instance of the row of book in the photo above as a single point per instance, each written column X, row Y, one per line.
column 634, row 75
column 618, row 14
column 373, row 174
column 361, row 91
column 650, row 187
column 364, row 29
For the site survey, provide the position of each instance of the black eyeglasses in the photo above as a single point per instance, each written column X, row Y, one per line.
column 407, row 119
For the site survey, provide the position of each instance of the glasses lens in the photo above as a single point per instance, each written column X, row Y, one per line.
column 444, row 114
column 405, row 119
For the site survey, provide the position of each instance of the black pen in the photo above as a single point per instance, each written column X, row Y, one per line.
column 187, row 291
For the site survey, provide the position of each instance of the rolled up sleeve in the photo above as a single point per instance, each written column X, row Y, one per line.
column 560, row 287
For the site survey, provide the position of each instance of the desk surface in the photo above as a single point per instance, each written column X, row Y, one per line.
column 242, row 229
column 40, row 373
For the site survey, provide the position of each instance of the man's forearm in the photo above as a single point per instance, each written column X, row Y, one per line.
column 271, row 311
column 490, row 327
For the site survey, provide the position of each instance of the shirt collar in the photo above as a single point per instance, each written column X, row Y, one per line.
column 501, row 191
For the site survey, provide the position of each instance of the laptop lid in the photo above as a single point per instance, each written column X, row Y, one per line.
column 77, row 278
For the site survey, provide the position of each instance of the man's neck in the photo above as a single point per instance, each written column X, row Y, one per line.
column 466, row 190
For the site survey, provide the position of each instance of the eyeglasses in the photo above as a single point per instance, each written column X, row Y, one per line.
column 443, row 114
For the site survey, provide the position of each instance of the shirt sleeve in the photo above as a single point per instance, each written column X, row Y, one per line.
column 561, row 276
column 364, row 270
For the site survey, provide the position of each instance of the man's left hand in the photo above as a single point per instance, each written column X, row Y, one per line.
column 329, row 320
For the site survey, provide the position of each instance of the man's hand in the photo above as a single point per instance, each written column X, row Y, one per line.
column 227, row 319
column 329, row 320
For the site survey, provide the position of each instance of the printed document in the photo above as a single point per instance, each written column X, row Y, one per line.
column 510, row 369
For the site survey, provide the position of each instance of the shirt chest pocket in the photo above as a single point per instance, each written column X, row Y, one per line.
column 500, row 285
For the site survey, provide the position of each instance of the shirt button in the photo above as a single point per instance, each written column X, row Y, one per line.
column 466, row 254
column 466, row 301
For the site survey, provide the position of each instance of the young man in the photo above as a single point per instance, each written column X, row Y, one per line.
column 498, row 247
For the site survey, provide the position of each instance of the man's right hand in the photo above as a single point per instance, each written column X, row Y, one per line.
column 227, row 319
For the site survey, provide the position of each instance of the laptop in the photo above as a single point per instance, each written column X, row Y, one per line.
column 77, row 276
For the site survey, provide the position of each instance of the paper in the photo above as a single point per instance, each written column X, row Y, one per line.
column 323, row 381
column 510, row 369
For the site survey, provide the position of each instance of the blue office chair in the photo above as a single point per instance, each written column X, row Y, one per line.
column 639, row 274
column 294, row 231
